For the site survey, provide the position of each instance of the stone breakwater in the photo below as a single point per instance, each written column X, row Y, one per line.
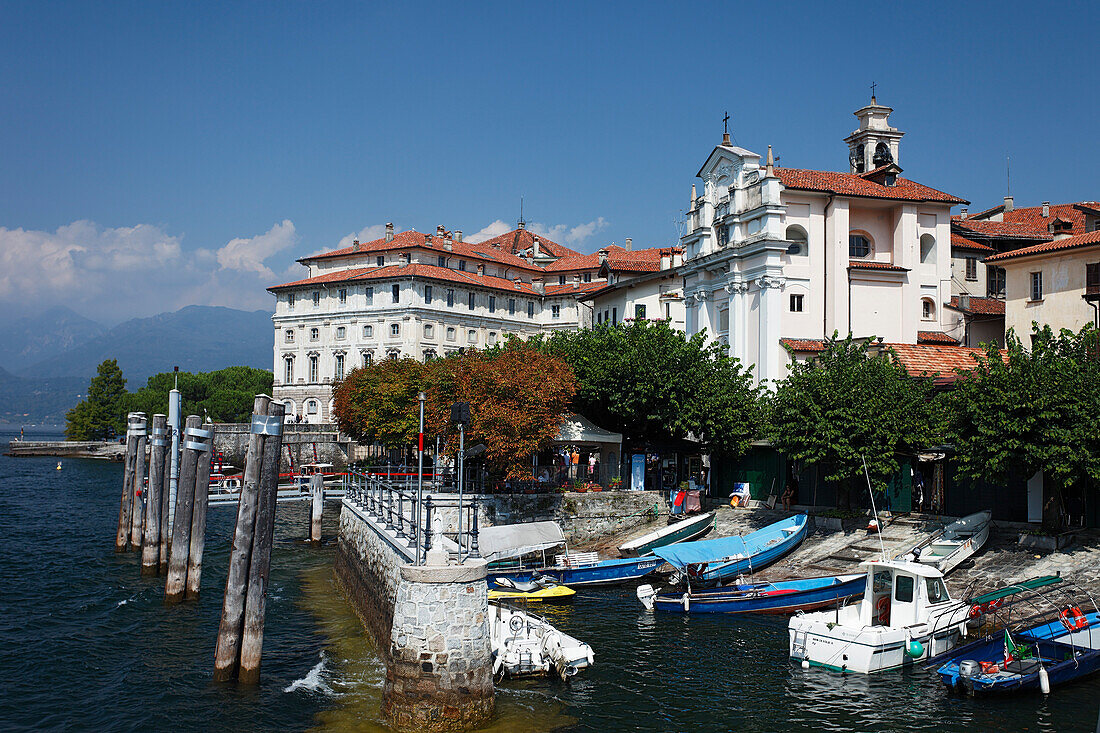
column 430, row 624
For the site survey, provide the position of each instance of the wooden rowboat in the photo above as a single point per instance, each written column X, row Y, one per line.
column 684, row 530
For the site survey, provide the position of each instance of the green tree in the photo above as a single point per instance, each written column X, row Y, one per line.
column 225, row 395
column 848, row 405
column 380, row 402
column 649, row 381
column 103, row 409
column 1028, row 410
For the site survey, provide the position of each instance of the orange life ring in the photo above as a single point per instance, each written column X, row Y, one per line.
column 1073, row 619
column 882, row 606
column 976, row 611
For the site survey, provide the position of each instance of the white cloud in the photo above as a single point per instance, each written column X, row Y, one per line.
column 366, row 234
column 111, row 274
column 495, row 229
column 571, row 236
column 248, row 255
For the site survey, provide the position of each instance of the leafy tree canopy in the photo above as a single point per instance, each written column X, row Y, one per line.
column 651, row 382
column 101, row 412
column 1029, row 410
column 848, row 405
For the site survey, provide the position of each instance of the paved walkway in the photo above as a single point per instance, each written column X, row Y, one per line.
column 830, row 551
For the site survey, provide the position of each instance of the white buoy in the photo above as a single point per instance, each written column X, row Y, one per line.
column 1044, row 680
column 805, row 664
column 686, row 601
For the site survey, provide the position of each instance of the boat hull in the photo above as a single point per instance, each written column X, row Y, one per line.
column 767, row 556
column 685, row 530
column 784, row 597
column 605, row 572
column 865, row 650
column 553, row 594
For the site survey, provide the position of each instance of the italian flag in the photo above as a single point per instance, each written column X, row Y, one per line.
column 1011, row 650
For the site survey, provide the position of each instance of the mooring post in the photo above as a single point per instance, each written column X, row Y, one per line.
column 202, row 440
column 236, row 583
column 150, row 540
column 166, row 502
column 181, row 521
column 252, row 636
column 137, row 516
column 317, row 491
column 122, row 538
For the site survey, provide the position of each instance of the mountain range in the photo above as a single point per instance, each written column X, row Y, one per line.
column 47, row 361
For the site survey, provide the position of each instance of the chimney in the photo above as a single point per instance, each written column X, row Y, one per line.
column 602, row 254
column 521, row 224
column 389, row 232
column 355, row 245
column 535, row 248
column 538, row 285
column 666, row 258
column 576, row 281
column 629, row 244
column 480, row 268
column 1008, row 204
column 964, row 302
column 677, row 257
column 1046, row 209
column 963, row 212
column 516, row 282
column 458, row 235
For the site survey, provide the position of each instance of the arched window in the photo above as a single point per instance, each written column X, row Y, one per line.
column 859, row 245
column 799, row 241
column 451, row 333
column 927, row 248
column 882, row 156
column 928, row 309
column 290, row 410
column 368, row 357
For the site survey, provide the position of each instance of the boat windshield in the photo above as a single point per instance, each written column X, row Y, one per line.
column 937, row 591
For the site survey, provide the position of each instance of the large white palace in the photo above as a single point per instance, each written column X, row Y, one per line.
column 418, row 295
column 778, row 258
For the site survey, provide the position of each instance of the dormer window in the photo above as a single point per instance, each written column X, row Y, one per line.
column 890, row 179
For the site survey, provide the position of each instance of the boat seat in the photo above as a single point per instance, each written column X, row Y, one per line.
column 1021, row 666
column 525, row 586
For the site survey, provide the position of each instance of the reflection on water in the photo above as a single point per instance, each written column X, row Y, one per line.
column 89, row 645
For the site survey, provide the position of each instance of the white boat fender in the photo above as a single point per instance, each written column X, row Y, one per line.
column 805, row 664
column 1044, row 680
column 686, row 602
column 498, row 663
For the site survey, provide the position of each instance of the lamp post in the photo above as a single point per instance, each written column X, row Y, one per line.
column 419, row 481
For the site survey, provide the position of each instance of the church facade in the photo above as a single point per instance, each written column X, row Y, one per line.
column 776, row 260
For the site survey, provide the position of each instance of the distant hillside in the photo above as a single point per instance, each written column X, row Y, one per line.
column 37, row 401
column 30, row 339
column 195, row 338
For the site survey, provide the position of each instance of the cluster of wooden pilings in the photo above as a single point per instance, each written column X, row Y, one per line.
column 241, row 632
column 172, row 549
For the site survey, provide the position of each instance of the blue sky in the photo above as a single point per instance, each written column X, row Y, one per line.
column 195, row 150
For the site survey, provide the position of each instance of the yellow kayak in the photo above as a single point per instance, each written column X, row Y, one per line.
column 553, row 594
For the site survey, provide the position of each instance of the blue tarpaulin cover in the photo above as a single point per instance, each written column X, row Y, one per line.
column 729, row 548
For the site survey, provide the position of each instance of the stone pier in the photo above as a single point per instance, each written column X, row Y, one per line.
column 430, row 624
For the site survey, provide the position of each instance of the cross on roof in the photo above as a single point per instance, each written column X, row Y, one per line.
column 873, row 85
column 725, row 121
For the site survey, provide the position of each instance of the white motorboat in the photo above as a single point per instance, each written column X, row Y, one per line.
column 906, row 615
column 953, row 544
column 525, row 645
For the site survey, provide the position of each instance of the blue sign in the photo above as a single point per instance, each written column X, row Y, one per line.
column 637, row 472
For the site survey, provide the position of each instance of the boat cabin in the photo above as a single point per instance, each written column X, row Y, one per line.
column 901, row 593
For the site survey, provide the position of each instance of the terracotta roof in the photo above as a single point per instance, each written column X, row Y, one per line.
column 872, row 265
column 812, row 345
column 936, row 337
column 1002, row 229
column 852, row 184
column 958, row 241
column 581, row 288
column 924, row 360
column 521, row 240
column 574, row 262
column 430, row 272
column 980, row 306
column 1057, row 245
column 1032, row 216
column 415, row 240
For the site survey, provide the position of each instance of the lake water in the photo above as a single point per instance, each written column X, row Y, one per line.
column 87, row 644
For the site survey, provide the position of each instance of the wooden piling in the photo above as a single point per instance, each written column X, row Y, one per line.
column 236, row 583
column 181, row 524
column 317, row 506
column 150, row 540
column 198, row 515
column 122, row 538
column 252, row 636
column 137, row 514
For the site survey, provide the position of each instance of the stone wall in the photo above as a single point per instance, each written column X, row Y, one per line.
column 232, row 440
column 585, row 518
column 367, row 569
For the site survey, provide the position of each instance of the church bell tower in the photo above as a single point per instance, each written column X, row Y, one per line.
column 875, row 143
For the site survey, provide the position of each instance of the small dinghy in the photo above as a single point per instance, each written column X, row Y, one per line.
column 947, row 549
column 536, row 590
column 683, row 530
column 525, row 645
column 779, row 597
